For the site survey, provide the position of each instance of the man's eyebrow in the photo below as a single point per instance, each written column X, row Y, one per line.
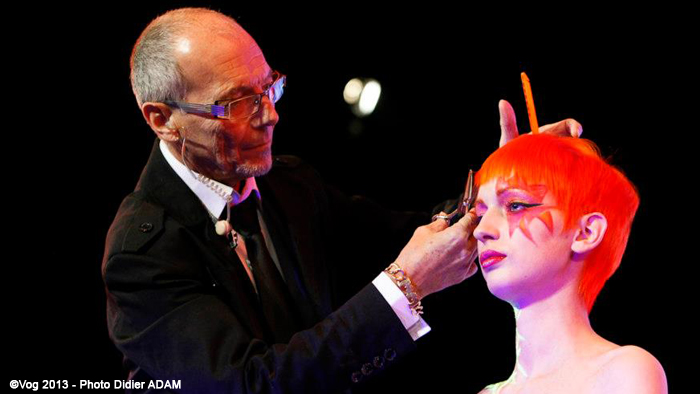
column 230, row 91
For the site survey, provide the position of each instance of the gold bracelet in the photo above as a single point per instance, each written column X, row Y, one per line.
column 404, row 283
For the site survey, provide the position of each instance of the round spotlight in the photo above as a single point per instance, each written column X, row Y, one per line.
column 362, row 95
column 369, row 97
column 352, row 91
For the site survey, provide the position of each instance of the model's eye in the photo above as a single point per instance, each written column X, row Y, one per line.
column 480, row 210
column 516, row 206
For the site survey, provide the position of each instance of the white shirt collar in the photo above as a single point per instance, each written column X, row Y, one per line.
column 214, row 203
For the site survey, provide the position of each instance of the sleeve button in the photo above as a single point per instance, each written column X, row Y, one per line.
column 356, row 377
column 379, row 362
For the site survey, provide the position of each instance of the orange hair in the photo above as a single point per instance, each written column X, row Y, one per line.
column 581, row 182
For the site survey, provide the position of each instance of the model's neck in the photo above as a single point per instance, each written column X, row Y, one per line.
column 550, row 333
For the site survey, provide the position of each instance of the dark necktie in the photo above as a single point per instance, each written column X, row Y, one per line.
column 275, row 299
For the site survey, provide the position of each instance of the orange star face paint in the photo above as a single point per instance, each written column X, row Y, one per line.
column 522, row 204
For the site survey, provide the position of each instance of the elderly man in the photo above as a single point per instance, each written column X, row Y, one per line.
column 228, row 280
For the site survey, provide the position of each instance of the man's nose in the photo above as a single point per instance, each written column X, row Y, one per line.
column 267, row 115
column 487, row 228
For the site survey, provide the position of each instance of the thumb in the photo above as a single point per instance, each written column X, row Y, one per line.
column 509, row 127
column 468, row 222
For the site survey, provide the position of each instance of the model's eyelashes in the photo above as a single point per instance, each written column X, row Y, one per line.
column 511, row 207
column 518, row 206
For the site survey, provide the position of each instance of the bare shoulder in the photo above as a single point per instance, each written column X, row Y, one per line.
column 631, row 369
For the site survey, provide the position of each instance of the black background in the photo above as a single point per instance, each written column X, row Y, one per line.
column 77, row 144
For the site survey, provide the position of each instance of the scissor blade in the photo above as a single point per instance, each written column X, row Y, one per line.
column 469, row 195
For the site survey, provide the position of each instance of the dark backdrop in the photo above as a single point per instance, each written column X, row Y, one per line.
column 78, row 144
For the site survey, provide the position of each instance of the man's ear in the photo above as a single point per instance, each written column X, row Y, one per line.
column 589, row 233
column 159, row 117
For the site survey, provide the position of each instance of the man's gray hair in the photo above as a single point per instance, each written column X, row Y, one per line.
column 155, row 73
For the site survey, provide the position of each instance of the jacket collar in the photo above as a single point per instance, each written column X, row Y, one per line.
column 160, row 184
column 215, row 202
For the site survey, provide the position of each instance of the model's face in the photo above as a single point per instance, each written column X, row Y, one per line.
column 221, row 67
column 524, row 251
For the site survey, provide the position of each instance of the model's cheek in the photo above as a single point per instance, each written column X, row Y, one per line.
column 546, row 218
column 523, row 220
column 523, row 226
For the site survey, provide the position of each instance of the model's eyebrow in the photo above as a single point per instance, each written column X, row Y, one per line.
column 501, row 191
column 537, row 191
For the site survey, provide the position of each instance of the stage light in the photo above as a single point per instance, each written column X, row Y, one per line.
column 369, row 97
column 352, row 91
column 362, row 95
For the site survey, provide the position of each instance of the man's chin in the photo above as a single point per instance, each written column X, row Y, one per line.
column 254, row 168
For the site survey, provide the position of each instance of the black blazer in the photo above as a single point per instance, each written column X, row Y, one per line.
column 181, row 307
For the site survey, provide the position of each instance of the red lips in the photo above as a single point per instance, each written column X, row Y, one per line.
column 490, row 257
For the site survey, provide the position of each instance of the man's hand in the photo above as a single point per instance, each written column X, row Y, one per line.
column 509, row 128
column 438, row 256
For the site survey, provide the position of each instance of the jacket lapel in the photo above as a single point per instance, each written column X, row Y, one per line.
column 290, row 208
column 160, row 184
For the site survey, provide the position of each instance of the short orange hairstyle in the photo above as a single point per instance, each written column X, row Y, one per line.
column 581, row 182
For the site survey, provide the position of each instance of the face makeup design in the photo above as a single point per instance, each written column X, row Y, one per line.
column 521, row 228
column 523, row 204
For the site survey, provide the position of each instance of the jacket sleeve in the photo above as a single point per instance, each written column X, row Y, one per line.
column 163, row 317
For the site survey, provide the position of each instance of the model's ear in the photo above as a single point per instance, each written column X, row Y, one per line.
column 159, row 117
column 589, row 233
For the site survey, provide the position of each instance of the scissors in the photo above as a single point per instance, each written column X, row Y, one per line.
column 467, row 203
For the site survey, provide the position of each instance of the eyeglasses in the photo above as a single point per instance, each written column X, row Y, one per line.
column 241, row 108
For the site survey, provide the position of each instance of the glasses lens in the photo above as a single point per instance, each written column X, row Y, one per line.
column 277, row 89
column 250, row 105
column 244, row 107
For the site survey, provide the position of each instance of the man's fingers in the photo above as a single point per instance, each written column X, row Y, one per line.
column 468, row 222
column 575, row 128
column 564, row 128
column 439, row 224
column 509, row 127
column 472, row 269
column 471, row 246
